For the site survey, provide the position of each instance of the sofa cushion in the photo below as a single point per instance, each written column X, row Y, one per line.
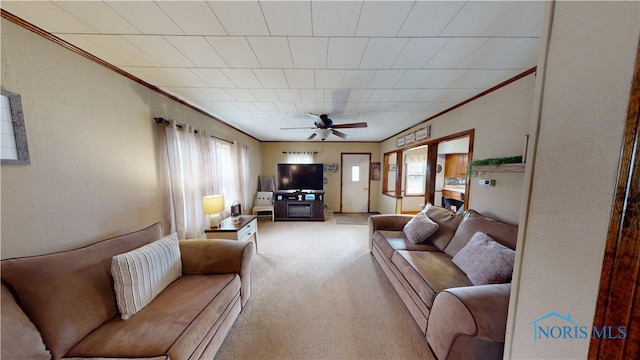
column 20, row 338
column 473, row 222
column 76, row 283
column 141, row 274
column 485, row 261
column 419, row 228
column 447, row 221
column 389, row 241
column 173, row 324
column 429, row 272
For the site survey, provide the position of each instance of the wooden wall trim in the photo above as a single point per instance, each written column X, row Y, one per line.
column 619, row 297
column 27, row 25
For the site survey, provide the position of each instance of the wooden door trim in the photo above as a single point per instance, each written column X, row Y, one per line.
column 619, row 297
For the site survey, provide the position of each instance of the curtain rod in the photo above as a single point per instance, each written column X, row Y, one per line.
column 299, row 152
column 163, row 121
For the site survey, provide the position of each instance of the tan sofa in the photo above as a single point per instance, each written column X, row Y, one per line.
column 63, row 305
column 460, row 320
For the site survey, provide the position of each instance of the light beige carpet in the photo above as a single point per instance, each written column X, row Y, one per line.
column 352, row 219
column 317, row 293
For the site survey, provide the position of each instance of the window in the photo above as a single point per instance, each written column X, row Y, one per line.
column 416, row 170
column 355, row 173
column 14, row 149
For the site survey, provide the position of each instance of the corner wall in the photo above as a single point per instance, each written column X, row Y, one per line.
column 96, row 155
column 501, row 121
column 587, row 81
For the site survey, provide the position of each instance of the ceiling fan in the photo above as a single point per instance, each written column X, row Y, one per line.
column 326, row 127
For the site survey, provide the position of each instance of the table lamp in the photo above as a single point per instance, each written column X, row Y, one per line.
column 213, row 205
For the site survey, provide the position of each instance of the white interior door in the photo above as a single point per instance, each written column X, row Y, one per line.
column 355, row 183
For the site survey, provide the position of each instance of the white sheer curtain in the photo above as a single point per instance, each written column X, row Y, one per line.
column 300, row 157
column 186, row 185
column 244, row 166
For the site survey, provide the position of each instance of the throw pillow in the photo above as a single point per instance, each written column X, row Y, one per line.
column 485, row 261
column 141, row 274
column 419, row 228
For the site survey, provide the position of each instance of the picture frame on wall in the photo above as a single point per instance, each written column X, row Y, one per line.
column 400, row 141
column 423, row 134
column 410, row 138
column 374, row 171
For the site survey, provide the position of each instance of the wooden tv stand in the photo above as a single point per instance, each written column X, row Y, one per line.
column 299, row 205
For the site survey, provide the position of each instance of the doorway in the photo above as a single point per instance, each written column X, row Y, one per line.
column 355, row 189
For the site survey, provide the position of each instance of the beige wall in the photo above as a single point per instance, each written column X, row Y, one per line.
column 585, row 95
column 96, row 161
column 501, row 121
column 328, row 152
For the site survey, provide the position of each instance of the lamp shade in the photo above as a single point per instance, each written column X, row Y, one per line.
column 213, row 204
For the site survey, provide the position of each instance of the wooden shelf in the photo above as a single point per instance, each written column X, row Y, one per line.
column 518, row 167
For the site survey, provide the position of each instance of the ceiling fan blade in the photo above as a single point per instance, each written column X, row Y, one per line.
column 311, row 136
column 340, row 134
column 350, row 126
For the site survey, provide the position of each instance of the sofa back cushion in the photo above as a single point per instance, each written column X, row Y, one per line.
column 20, row 338
column 447, row 221
column 69, row 294
column 473, row 222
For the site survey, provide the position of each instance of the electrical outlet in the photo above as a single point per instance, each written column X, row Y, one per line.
column 487, row 182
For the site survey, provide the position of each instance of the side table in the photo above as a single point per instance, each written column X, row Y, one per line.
column 243, row 231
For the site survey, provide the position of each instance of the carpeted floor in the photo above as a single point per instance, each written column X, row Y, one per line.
column 317, row 293
column 352, row 219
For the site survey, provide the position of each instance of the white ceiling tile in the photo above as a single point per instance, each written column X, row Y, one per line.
column 235, row 51
column 482, row 78
column 335, row 18
column 271, row 78
column 265, row 95
column 306, row 107
column 382, row 52
column 86, row 43
column 524, row 57
column 476, row 17
column 357, row 79
column 265, row 106
column 272, row 52
column 442, row 78
column 300, row 79
column 181, row 77
column 418, row 52
column 288, row 18
column 243, row 78
column 359, row 95
column 329, row 79
column 245, row 106
column 405, row 95
column 123, row 49
column 146, row 16
column 286, row 106
column 288, row 95
column 382, row 95
column 346, row 53
column 241, row 94
column 386, row 79
column 439, row 95
column 455, row 51
column 198, row 50
column 214, row 78
column 428, row 18
column 382, row 18
column 312, row 95
column 309, row 52
column 519, row 20
column 47, row 16
column 187, row 93
column 336, row 95
column 218, row 94
column 240, row 17
column 193, row 17
column 414, row 78
column 99, row 15
column 366, row 107
column 492, row 54
column 160, row 49
column 150, row 75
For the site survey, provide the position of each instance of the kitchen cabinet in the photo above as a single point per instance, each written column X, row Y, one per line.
column 455, row 166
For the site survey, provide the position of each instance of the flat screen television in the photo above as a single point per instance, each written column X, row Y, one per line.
column 300, row 177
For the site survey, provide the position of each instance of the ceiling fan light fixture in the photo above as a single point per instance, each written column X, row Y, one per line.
column 324, row 134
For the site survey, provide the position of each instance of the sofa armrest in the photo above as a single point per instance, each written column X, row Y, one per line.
column 207, row 257
column 475, row 311
column 392, row 222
